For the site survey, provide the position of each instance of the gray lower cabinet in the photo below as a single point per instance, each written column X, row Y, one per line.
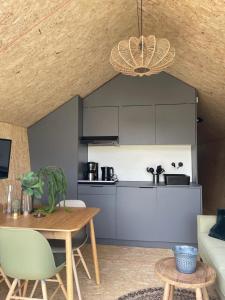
column 100, row 121
column 105, row 221
column 158, row 214
column 137, row 125
column 178, row 208
column 136, row 214
column 176, row 124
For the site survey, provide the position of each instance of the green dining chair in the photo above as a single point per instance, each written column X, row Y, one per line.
column 26, row 255
column 78, row 241
column 4, row 278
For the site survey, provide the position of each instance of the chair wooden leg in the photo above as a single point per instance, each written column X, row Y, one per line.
column 34, row 289
column 76, row 278
column 5, row 278
column 25, row 288
column 61, row 285
column 12, row 289
column 19, row 286
column 198, row 294
column 83, row 263
column 44, row 290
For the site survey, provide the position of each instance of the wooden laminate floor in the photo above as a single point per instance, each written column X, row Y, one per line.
column 123, row 269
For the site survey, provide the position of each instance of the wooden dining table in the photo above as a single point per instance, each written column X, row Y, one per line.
column 62, row 225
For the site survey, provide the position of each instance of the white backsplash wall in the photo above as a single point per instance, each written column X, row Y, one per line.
column 130, row 162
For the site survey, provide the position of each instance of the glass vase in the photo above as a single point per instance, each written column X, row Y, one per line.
column 26, row 203
column 9, row 198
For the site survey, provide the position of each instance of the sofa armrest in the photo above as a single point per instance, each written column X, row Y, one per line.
column 205, row 222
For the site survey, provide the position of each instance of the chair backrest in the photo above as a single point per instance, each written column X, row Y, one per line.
column 73, row 203
column 76, row 203
column 26, row 254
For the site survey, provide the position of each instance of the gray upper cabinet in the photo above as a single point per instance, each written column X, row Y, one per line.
column 136, row 214
column 136, row 125
column 100, row 121
column 178, row 209
column 176, row 124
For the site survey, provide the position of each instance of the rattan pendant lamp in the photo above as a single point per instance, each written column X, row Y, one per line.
column 142, row 55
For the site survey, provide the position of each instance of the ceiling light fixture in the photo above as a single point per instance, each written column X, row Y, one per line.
column 142, row 55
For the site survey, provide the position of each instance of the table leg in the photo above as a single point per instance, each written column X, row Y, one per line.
column 205, row 294
column 94, row 251
column 166, row 294
column 171, row 292
column 69, row 269
column 198, row 294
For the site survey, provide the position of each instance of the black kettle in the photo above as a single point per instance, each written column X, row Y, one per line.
column 107, row 173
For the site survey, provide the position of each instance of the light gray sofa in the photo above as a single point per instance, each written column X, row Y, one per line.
column 212, row 251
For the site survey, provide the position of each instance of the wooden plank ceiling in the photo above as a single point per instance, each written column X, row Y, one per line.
column 51, row 50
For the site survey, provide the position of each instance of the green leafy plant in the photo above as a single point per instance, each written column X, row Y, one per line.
column 55, row 179
column 32, row 184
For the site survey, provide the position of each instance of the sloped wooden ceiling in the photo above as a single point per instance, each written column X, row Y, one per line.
column 51, row 50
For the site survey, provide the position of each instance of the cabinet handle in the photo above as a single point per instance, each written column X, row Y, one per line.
column 97, row 186
column 146, row 187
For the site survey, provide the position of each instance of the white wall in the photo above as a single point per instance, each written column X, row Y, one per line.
column 130, row 162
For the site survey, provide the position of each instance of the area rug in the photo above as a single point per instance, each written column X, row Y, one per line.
column 157, row 294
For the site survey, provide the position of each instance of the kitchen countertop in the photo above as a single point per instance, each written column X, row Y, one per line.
column 144, row 184
column 150, row 184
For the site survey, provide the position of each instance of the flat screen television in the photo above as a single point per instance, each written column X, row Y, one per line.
column 5, row 151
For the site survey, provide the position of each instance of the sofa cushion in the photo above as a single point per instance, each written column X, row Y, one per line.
column 220, row 281
column 210, row 242
column 217, row 256
column 214, row 249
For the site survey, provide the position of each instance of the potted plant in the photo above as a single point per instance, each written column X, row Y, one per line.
column 55, row 180
column 32, row 188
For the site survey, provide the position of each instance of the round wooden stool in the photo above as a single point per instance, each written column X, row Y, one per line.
column 203, row 277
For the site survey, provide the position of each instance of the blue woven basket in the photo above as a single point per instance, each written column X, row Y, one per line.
column 186, row 258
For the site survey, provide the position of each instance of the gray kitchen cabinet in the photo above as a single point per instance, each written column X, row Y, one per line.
column 136, row 214
column 176, row 124
column 137, row 125
column 100, row 121
column 178, row 208
column 96, row 189
column 105, row 221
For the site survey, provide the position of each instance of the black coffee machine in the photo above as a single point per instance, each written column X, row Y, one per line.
column 92, row 171
column 107, row 173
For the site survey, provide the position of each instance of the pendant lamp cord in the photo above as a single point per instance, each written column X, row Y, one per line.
column 140, row 17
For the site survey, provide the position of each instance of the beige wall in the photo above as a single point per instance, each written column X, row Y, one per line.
column 20, row 161
column 211, row 164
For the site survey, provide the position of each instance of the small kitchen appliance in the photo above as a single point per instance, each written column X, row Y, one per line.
column 92, row 171
column 107, row 173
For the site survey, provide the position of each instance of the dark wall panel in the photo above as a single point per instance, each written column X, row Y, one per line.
column 54, row 141
column 211, row 158
column 157, row 89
